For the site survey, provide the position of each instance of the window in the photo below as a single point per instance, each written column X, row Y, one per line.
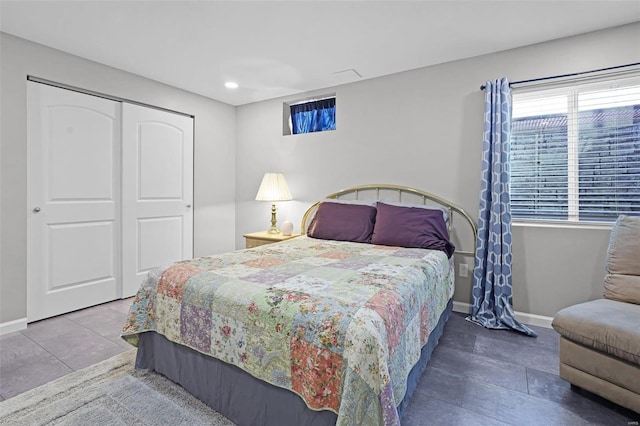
column 309, row 116
column 575, row 152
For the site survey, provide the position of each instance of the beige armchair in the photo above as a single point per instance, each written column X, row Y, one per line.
column 600, row 339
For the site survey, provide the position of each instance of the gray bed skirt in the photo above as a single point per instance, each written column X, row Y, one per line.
column 242, row 398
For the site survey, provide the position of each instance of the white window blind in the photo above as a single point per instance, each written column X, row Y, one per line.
column 575, row 152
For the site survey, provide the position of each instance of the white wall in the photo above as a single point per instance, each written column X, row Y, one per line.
column 214, row 150
column 423, row 128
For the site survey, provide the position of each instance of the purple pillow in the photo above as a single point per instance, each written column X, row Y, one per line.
column 411, row 227
column 343, row 222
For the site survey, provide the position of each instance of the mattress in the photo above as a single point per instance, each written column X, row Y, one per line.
column 339, row 324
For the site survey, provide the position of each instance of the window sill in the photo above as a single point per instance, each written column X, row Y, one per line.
column 561, row 224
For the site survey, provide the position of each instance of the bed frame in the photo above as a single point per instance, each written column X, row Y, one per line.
column 250, row 401
column 398, row 194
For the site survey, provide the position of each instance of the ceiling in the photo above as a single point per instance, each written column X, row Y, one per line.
column 279, row 48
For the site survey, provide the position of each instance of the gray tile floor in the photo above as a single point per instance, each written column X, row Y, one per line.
column 476, row 376
column 51, row 348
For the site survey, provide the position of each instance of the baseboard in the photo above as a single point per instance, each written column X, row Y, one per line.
column 523, row 317
column 13, row 326
column 461, row 307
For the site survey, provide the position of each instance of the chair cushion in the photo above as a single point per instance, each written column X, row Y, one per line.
column 606, row 325
column 623, row 288
column 622, row 282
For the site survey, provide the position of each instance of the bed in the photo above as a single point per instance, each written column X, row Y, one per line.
column 333, row 327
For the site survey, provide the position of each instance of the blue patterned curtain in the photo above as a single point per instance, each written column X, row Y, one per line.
column 314, row 116
column 492, row 303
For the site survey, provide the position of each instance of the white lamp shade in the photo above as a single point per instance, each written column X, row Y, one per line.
column 273, row 188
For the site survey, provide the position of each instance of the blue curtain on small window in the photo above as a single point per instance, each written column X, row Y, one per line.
column 314, row 116
column 492, row 301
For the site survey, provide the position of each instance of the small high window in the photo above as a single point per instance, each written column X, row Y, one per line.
column 316, row 115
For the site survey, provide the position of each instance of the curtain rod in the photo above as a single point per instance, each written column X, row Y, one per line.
column 312, row 99
column 575, row 74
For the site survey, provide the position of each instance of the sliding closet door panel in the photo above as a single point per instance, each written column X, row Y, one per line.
column 161, row 168
column 70, row 242
column 159, row 241
column 157, row 191
column 73, row 193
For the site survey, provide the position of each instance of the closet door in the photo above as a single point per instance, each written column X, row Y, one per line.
column 157, row 191
column 73, row 195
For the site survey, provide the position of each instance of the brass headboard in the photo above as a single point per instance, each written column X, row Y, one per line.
column 355, row 191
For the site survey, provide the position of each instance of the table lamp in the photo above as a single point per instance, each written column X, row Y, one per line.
column 273, row 188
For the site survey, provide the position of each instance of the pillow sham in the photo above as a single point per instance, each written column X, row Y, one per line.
column 445, row 211
column 346, row 201
column 343, row 222
column 411, row 227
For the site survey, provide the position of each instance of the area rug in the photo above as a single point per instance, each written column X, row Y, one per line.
column 109, row 393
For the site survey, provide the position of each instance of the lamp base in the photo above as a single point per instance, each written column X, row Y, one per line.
column 274, row 229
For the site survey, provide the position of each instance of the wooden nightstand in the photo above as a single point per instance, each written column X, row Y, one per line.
column 256, row 239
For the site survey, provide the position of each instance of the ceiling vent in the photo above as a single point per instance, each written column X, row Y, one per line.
column 349, row 73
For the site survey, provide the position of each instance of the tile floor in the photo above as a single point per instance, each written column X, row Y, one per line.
column 476, row 376
column 51, row 348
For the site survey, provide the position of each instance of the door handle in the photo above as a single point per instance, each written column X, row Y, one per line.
column 188, row 206
column 36, row 210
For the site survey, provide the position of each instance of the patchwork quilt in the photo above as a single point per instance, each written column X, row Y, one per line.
column 339, row 323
